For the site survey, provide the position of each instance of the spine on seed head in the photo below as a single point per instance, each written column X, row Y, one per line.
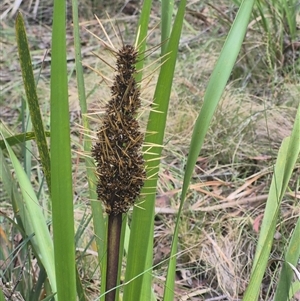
column 117, row 152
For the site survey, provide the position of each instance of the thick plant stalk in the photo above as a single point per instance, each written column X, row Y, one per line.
column 119, row 160
column 113, row 249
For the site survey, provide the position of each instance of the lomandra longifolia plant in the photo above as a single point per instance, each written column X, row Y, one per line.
column 118, row 156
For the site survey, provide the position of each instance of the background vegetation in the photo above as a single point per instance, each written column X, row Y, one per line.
column 220, row 225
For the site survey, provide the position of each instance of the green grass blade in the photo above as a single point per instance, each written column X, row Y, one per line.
column 290, row 9
column 78, row 59
column 294, row 288
column 293, row 250
column 27, row 146
column 286, row 275
column 212, row 97
column 285, row 163
column 19, row 138
column 293, row 152
column 141, row 42
column 38, row 289
column 142, row 219
column 166, row 21
column 141, row 37
column 11, row 188
column 1, row 295
column 98, row 219
column 32, row 99
column 264, row 21
column 61, row 176
column 33, row 220
column 216, row 86
column 268, row 225
column 253, row 288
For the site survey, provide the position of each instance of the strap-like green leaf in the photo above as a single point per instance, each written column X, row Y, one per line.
column 142, row 220
column 98, row 218
column 32, row 99
column 286, row 160
column 33, row 220
column 212, row 97
column 20, row 138
column 61, row 170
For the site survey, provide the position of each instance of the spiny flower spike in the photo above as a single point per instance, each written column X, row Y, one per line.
column 119, row 161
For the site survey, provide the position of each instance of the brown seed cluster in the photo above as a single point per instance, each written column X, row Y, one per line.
column 119, row 161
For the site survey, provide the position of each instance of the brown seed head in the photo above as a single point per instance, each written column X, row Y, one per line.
column 117, row 152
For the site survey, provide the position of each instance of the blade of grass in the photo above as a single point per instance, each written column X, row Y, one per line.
column 268, row 226
column 293, row 152
column 61, row 172
column 37, row 291
column 32, row 99
column 1, row 295
column 294, row 289
column 285, row 164
column 11, row 188
column 166, row 20
column 289, row 11
column 98, row 218
column 141, row 42
column 287, row 157
column 216, row 86
column 141, row 36
column 293, row 250
column 286, row 275
column 19, row 138
column 33, row 220
column 142, row 220
column 26, row 145
column 212, row 97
